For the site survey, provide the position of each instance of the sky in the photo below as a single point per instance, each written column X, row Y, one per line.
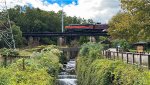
column 98, row 10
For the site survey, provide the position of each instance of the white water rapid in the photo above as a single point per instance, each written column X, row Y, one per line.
column 68, row 77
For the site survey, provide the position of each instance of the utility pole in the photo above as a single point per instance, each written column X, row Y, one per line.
column 5, row 26
column 62, row 20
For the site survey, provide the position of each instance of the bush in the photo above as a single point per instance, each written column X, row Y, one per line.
column 4, row 76
column 41, row 69
column 122, row 43
column 107, row 72
column 9, row 52
column 91, row 51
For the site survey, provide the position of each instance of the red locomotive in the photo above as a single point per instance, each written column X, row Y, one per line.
column 86, row 27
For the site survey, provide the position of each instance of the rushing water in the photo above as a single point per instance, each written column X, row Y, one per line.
column 68, row 77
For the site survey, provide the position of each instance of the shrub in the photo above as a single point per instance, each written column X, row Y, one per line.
column 4, row 76
column 107, row 72
column 122, row 43
column 41, row 69
column 91, row 51
column 9, row 52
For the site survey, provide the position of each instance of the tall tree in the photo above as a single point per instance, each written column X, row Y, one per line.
column 17, row 35
column 133, row 24
column 140, row 10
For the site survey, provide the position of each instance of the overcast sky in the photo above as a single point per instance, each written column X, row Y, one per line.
column 98, row 10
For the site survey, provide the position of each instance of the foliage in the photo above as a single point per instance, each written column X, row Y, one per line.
column 107, row 72
column 133, row 23
column 88, row 53
column 17, row 35
column 25, row 53
column 83, row 39
column 32, row 74
column 9, row 52
column 4, row 76
column 122, row 43
column 37, row 20
column 121, row 26
column 41, row 69
column 91, row 50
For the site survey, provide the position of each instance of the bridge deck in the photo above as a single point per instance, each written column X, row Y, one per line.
column 48, row 34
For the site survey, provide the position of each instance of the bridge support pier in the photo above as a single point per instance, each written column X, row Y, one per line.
column 33, row 41
column 92, row 39
column 70, row 52
column 61, row 41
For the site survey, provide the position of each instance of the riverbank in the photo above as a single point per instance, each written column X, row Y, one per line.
column 92, row 69
column 40, row 69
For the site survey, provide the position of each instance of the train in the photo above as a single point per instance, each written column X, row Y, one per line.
column 86, row 27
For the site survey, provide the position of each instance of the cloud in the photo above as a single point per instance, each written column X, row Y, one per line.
column 98, row 10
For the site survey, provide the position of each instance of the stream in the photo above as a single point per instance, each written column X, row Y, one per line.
column 67, row 76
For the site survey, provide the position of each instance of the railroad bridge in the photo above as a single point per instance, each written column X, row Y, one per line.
column 35, row 36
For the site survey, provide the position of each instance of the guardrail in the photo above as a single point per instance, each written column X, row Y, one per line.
column 140, row 59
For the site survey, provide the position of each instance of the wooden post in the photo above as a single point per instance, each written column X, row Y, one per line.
column 114, row 55
column 106, row 53
column 5, row 61
column 23, row 64
column 117, row 54
column 122, row 56
column 109, row 54
column 140, row 59
column 127, row 58
column 149, row 62
column 133, row 58
column 103, row 53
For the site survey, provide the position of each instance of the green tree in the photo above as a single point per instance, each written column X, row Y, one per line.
column 140, row 10
column 133, row 23
column 17, row 35
column 123, row 26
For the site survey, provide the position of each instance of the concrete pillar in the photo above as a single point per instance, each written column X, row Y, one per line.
column 30, row 41
column 61, row 41
column 33, row 41
column 92, row 39
column 68, row 55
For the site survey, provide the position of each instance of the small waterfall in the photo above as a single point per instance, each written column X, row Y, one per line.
column 68, row 77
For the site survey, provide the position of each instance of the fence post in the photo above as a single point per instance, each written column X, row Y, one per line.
column 149, row 62
column 117, row 54
column 23, row 64
column 122, row 56
column 5, row 61
column 114, row 55
column 109, row 54
column 133, row 58
column 106, row 54
column 103, row 53
column 140, row 58
column 127, row 58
